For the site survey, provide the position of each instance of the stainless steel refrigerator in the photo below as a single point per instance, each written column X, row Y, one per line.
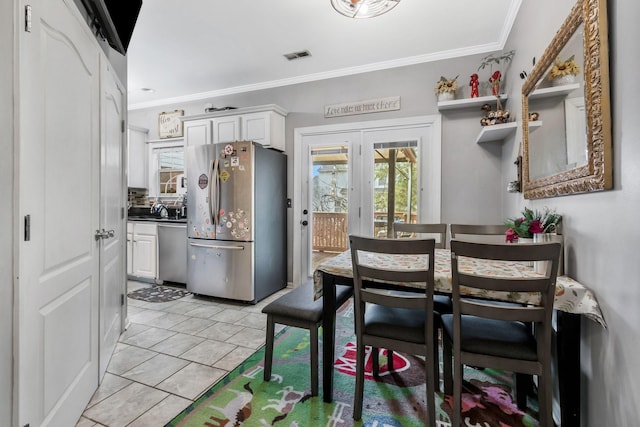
column 236, row 220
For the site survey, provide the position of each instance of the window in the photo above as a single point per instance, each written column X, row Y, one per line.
column 170, row 170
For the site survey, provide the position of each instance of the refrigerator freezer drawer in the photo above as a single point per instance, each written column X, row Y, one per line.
column 221, row 269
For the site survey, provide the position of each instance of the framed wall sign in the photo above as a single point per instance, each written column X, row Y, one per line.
column 169, row 124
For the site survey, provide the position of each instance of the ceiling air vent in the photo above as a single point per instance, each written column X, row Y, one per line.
column 297, row 55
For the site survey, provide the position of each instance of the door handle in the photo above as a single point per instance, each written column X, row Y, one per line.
column 104, row 234
column 233, row 248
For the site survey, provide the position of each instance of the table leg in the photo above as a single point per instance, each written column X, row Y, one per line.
column 328, row 334
column 568, row 347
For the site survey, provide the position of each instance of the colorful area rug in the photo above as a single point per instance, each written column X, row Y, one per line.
column 158, row 294
column 397, row 398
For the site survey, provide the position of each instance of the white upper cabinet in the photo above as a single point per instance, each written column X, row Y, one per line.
column 197, row 132
column 226, row 129
column 137, row 172
column 263, row 124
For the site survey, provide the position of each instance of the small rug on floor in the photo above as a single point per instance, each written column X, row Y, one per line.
column 158, row 293
column 397, row 398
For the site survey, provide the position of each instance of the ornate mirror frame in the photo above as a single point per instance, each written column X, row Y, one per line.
column 596, row 175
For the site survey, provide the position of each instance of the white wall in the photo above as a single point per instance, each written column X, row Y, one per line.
column 469, row 169
column 600, row 228
column 6, row 209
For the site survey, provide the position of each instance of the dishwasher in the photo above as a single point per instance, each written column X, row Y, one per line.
column 172, row 252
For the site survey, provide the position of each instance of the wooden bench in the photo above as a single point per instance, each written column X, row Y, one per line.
column 298, row 309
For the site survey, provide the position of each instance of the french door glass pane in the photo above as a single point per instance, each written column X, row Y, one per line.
column 395, row 191
column 330, row 184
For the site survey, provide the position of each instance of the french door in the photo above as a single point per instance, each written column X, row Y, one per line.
column 328, row 216
column 359, row 178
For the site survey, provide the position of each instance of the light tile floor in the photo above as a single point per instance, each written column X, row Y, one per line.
column 170, row 354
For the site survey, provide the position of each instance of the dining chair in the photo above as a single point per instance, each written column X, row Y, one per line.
column 437, row 231
column 499, row 336
column 398, row 321
column 483, row 233
column 441, row 303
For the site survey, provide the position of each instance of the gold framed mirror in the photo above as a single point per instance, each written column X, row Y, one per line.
column 567, row 149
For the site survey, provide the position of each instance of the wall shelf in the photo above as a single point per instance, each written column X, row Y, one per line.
column 458, row 104
column 548, row 92
column 496, row 132
column 535, row 125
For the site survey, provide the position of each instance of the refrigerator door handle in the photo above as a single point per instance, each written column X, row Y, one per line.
column 215, row 187
column 234, row 248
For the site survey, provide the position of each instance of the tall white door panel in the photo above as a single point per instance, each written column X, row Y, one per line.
column 112, row 243
column 59, row 195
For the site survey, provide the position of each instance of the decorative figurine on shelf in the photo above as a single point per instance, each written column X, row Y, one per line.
column 495, row 83
column 474, row 83
column 497, row 117
column 534, row 116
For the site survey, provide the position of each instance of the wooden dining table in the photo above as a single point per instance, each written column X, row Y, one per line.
column 572, row 301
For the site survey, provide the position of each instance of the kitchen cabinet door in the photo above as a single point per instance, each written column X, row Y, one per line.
column 137, row 157
column 145, row 256
column 265, row 128
column 226, row 129
column 129, row 254
column 197, row 132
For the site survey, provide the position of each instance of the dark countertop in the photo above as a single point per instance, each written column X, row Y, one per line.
column 156, row 219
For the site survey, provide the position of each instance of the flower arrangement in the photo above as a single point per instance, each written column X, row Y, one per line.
column 532, row 222
column 447, row 85
column 564, row 68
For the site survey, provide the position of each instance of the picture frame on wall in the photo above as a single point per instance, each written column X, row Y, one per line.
column 170, row 125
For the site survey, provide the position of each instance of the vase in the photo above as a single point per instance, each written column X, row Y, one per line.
column 522, row 240
column 446, row 96
column 563, row 80
column 541, row 266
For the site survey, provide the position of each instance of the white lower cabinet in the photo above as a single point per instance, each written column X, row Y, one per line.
column 142, row 250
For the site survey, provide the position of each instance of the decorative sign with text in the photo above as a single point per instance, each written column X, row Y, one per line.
column 363, row 107
column 169, row 124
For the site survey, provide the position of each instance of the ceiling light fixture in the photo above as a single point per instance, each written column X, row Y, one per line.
column 363, row 8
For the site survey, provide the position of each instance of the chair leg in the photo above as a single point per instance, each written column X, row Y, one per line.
column 389, row 360
column 545, row 399
column 524, row 386
column 457, row 394
column 357, row 399
column 447, row 366
column 436, row 360
column 268, row 351
column 313, row 332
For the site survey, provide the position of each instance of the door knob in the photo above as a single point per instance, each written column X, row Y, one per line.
column 104, row 234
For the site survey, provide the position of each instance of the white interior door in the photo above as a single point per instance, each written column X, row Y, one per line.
column 112, row 274
column 58, row 193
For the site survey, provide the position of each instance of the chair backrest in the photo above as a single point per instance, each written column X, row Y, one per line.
column 369, row 268
column 481, row 233
column 436, row 231
column 544, row 285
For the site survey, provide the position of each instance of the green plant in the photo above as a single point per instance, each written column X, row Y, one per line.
column 491, row 59
column 447, row 85
column 532, row 222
